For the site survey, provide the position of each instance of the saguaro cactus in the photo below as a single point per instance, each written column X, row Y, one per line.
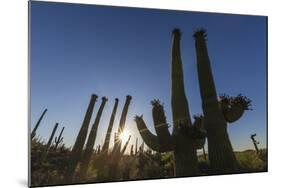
column 132, row 150
column 217, row 113
column 59, row 139
column 181, row 141
column 47, row 147
column 136, row 148
column 91, row 140
column 33, row 133
column 126, row 145
column 77, row 149
column 255, row 142
column 105, row 146
column 121, row 127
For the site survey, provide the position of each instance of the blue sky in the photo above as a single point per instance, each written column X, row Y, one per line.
column 77, row 50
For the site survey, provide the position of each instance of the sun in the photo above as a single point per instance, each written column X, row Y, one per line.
column 124, row 136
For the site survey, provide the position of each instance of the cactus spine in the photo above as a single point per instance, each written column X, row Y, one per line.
column 221, row 155
column 59, row 139
column 47, row 147
column 33, row 133
column 91, row 140
column 109, row 129
column 77, row 149
column 180, row 141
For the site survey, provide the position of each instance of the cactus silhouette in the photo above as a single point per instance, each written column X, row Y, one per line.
column 33, row 133
column 77, row 149
column 47, row 147
column 136, row 147
column 126, row 145
column 105, row 146
column 117, row 147
column 217, row 113
column 132, row 150
column 182, row 141
column 59, row 139
column 116, row 151
column 255, row 142
column 91, row 140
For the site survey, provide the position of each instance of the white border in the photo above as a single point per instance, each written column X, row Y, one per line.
column 14, row 93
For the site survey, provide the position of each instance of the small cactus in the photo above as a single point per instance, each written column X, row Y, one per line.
column 47, row 147
column 59, row 139
column 255, row 142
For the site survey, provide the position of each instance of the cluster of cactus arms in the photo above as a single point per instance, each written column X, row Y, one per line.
column 186, row 137
column 217, row 112
column 77, row 149
column 59, row 139
column 181, row 141
column 33, row 133
column 47, row 147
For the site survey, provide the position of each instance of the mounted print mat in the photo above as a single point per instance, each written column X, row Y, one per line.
column 119, row 94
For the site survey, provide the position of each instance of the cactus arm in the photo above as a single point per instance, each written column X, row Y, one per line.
column 180, row 109
column 149, row 138
column 161, row 126
column 234, row 107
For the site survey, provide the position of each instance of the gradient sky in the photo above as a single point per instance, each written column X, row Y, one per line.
column 77, row 50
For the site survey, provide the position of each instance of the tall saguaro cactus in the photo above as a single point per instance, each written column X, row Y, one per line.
column 105, row 146
column 77, row 149
column 33, row 133
column 47, row 147
column 221, row 155
column 91, row 140
column 181, row 141
column 122, row 123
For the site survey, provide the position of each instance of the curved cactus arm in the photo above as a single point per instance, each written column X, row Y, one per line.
column 149, row 138
column 161, row 126
column 234, row 107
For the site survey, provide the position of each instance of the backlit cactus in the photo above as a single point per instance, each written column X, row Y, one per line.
column 86, row 157
column 58, row 139
column 105, row 146
column 33, row 133
column 182, row 141
column 77, row 149
column 217, row 113
column 47, row 147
